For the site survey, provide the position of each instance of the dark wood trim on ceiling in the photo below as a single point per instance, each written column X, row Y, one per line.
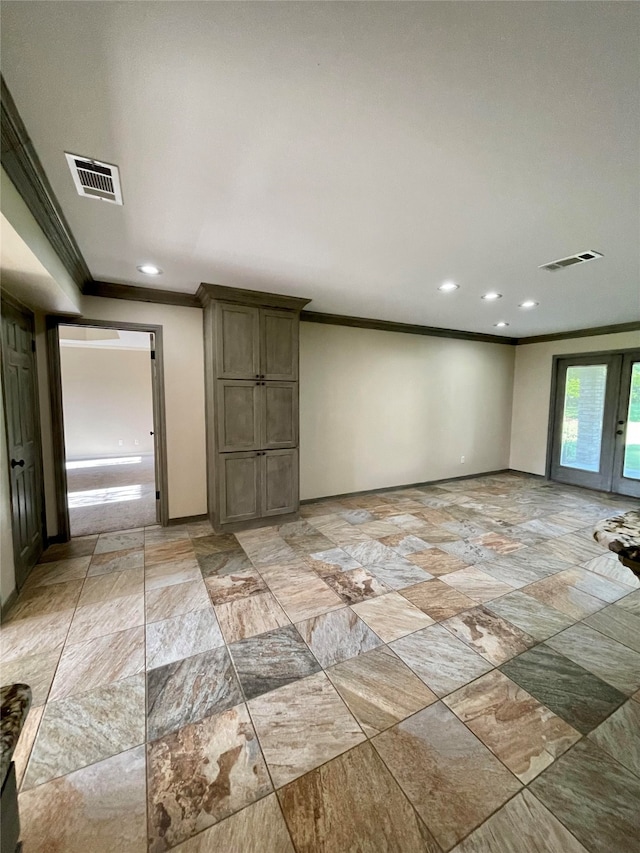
column 111, row 290
column 207, row 292
column 582, row 333
column 406, row 328
column 171, row 297
column 22, row 165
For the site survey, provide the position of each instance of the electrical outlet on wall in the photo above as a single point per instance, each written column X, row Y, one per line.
column 136, row 441
column 462, row 460
column 120, row 442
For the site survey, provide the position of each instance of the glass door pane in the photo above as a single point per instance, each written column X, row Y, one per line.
column 631, row 462
column 626, row 463
column 584, row 399
column 584, row 414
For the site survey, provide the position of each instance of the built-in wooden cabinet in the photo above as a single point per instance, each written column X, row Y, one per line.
column 251, row 373
column 257, row 484
column 279, row 344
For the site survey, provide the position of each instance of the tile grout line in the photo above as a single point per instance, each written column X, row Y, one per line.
column 370, row 740
column 481, row 604
column 55, row 672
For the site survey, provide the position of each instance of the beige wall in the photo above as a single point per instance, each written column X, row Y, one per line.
column 31, row 269
column 383, row 409
column 107, row 398
column 532, row 389
column 184, row 392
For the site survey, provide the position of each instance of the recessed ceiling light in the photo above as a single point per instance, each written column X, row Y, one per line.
column 149, row 269
column 501, row 324
column 492, row 295
column 529, row 303
column 447, row 286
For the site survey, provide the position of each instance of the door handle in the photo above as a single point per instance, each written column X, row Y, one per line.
column 619, row 432
column 15, row 463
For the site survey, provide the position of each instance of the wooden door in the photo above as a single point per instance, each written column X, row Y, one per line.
column 238, row 415
column 279, row 482
column 239, row 482
column 23, row 438
column 279, row 414
column 279, row 344
column 237, row 341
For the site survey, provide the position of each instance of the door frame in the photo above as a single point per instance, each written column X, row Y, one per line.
column 22, row 309
column 57, row 415
column 554, row 410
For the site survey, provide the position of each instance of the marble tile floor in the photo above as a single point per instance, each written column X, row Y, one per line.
column 448, row 668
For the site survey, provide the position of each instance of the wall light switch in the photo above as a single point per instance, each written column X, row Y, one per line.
column 461, row 459
column 120, row 442
column 136, row 441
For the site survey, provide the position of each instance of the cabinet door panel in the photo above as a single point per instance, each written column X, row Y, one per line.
column 279, row 344
column 279, row 482
column 280, row 414
column 239, row 478
column 237, row 333
column 238, row 415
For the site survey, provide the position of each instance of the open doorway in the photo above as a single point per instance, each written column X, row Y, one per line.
column 109, row 424
column 107, row 405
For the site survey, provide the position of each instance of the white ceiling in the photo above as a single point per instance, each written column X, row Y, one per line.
column 94, row 338
column 358, row 153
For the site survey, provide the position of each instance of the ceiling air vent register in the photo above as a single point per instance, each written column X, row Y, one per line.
column 94, row 179
column 580, row 258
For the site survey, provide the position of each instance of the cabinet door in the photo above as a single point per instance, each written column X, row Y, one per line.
column 238, row 415
column 237, row 334
column 279, row 414
column 279, row 344
column 239, row 483
column 279, row 482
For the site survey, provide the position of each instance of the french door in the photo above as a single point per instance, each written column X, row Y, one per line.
column 595, row 432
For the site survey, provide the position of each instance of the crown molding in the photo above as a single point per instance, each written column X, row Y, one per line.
column 405, row 328
column 111, row 290
column 22, row 165
column 207, row 292
column 581, row 333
